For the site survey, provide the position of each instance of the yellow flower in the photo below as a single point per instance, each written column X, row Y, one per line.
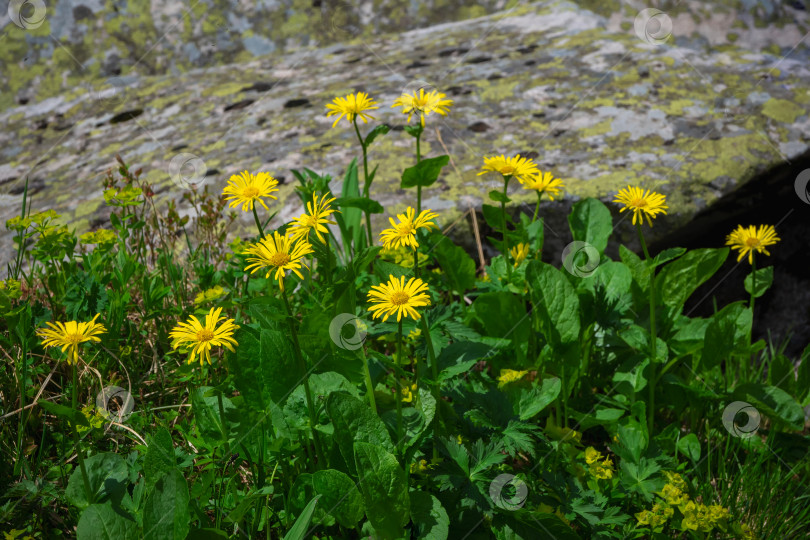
column 510, row 375
column 673, row 495
column 643, row 204
column 398, row 297
column 602, row 470
column 750, row 239
column 314, row 219
column 404, row 232
column 544, row 182
column 718, row 513
column 519, row 253
column 522, row 169
column 70, row 335
column 279, row 253
column 407, row 393
column 11, row 288
column 246, row 189
column 423, row 103
column 696, row 517
column 676, row 480
column 592, row 455
column 656, row 518
column 99, row 236
column 351, row 106
column 209, row 295
column 414, row 334
column 747, row 533
column 202, row 338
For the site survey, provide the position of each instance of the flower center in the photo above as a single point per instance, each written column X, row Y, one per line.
column 752, row 242
column 406, row 229
column 507, row 170
column 279, row 259
column 399, row 298
column 250, row 192
column 420, row 103
column 73, row 338
column 309, row 221
column 205, row 335
column 638, row 203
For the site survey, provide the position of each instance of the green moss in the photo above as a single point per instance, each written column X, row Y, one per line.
column 782, row 110
column 599, row 129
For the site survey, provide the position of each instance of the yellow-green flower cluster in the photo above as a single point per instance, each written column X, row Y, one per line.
column 696, row 516
column 599, row 468
column 42, row 219
column 656, row 518
column 509, row 376
column 209, row 295
column 11, row 288
column 99, row 236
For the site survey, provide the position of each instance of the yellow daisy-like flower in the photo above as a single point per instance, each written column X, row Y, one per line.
column 245, row 189
column 750, row 239
column 70, row 335
column 202, row 337
column 643, row 204
column 544, row 182
column 520, row 168
column 404, row 232
column 509, row 376
column 279, row 253
column 519, row 253
column 398, row 297
column 351, row 106
column 314, row 219
column 423, row 103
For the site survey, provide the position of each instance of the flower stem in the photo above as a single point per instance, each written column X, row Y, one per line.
column 653, row 337
column 369, row 383
column 537, row 208
column 418, row 187
column 398, row 397
column 503, row 222
column 303, row 367
column 366, row 185
column 258, row 223
column 75, row 397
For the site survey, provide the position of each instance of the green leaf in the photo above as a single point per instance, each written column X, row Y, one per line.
column 503, row 315
column 354, row 421
column 803, row 377
column 509, row 526
column 615, row 277
column 299, row 529
column 555, row 302
column 774, row 402
column 456, row 264
column 637, row 478
column 667, row 255
column 727, row 329
column 498, row 196
column 690, row 447
column 633, row 438
column 350, row 220
column 73, row 416
column 208, row 419
column 166, row 512
column 414, row 131
column 385, row 489
column 764, row 279
column 365, row 204
column 103, row 522
column 492, row 216
column 429, row 516
column 384, row 270
column 425, row 173
column 159, row 458
column 590, row 222
column 107, row 474
column 679, row 279
column 533, row 401
column 375, row 132
column 339, row 496
column 264, row 367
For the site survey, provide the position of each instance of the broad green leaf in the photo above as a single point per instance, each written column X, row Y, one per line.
column 365, row 204
column 614, row 277
column 159, row 458
column 384, row 270
column 638, row 478
column 690, row 447
column 781, row 374
column 503, row 315
column 103, row 522
column 166, row 512
column 299, row 528
column 633, row 437
column 350, row 220
column 493, row 216
column 764, row 279
column 354, row 421
column 385, row 489
column 555, row 302
column 510, row 526
column 73, row 416
column 499, row 197
column 339, row 496
column 429, row 516
column 590, row 222
column 382, row 129
column 773, row 402
column 667, row 255
column 456, row 264
column 678, row 280
column 727, row 329
column 534, row 400
column 425, row 173
column 107, row 474
column 209, row 421
column 264, row 367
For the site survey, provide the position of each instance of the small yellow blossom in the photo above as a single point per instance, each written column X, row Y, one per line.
column 519, row 168
column 351, row 106
column 544, row 182
column 510, row 375
column 519, row 253
column 246, row 189
column 750, row 239
column 423, row 103
column 201, row 338
column 70, row 335
column 643, row 204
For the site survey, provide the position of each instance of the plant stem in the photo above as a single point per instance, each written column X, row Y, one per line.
column 503, row 222
column 369, row 383
column 366, row 185
column 653, row 337
column 436, row 389
column 418, row 187
column 23, row 376
column 537, row 208
column 258, row 223
column 75, row 397
column 747, row 361
column 303, row 367
column 398, row 397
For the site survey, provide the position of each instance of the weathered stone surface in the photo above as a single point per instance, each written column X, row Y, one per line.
column 694, row 117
